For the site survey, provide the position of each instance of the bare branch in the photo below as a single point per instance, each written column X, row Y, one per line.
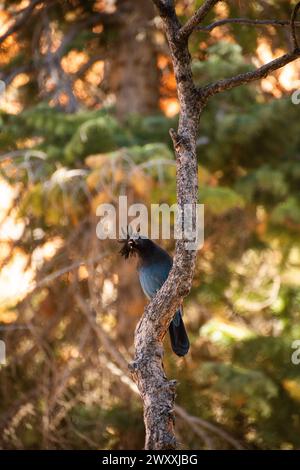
column 245, row 21
column 247, row 77
column 261, row 72
column 198, row 16
column 119, row 369
column 157, row 392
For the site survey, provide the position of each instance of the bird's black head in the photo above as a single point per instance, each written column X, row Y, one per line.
column 136, row 244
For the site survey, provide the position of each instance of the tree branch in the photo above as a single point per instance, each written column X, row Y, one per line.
column 119, row 367
column 247, row 77
column 245, row 21
column 157, row 392
column 261, row 72
column 198, row 16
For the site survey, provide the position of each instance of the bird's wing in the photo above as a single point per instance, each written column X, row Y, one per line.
column 152, row 277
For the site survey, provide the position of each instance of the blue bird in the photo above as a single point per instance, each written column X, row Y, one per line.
column 153, row 268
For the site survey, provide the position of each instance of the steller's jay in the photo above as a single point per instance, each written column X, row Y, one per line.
column 153, row 268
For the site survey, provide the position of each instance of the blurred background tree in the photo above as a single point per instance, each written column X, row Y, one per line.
column 89, row 98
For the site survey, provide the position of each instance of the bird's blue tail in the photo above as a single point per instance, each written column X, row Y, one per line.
column 179, row 338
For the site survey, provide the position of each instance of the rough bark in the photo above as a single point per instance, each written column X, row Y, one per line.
column 157, row 392
column 132, row 70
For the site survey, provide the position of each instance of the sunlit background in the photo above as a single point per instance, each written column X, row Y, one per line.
column 89, row 96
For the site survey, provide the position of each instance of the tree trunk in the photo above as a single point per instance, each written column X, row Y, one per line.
column 132, row 66
column 158, row 393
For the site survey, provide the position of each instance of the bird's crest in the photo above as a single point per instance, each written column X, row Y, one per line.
column 128, row 236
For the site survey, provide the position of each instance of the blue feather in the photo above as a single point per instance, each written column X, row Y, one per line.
column 152, row 277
